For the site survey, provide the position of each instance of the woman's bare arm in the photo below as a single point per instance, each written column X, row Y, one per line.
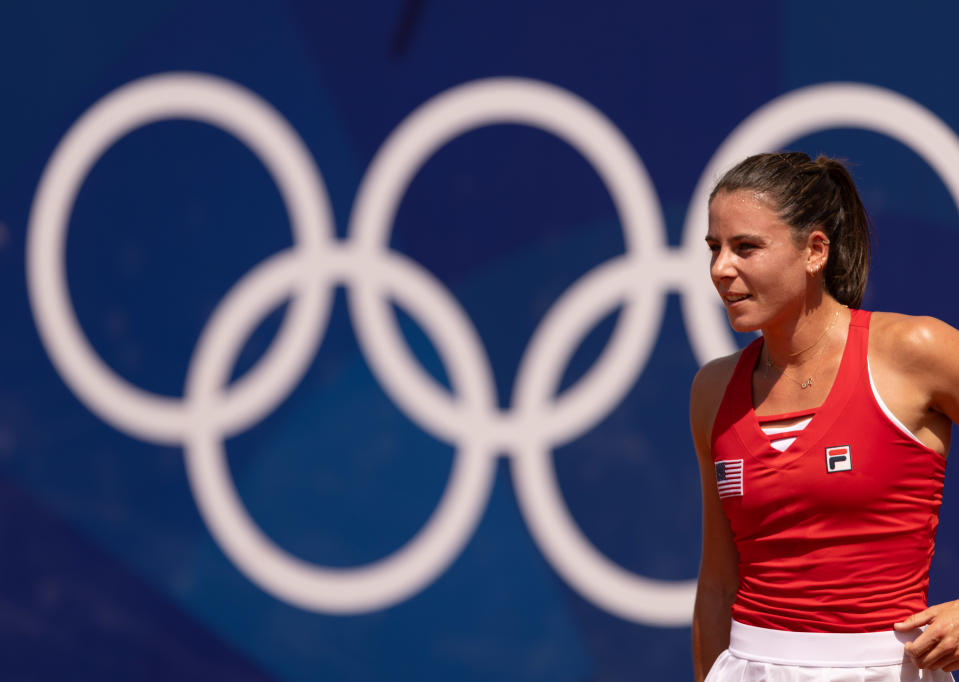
column 915, row 365
column 718, row 571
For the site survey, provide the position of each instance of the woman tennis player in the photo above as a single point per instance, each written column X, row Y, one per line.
column 821, row 446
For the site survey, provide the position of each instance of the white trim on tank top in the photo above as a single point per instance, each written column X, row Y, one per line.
column 887, row 411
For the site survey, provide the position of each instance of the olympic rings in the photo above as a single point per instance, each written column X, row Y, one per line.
column 537, row 421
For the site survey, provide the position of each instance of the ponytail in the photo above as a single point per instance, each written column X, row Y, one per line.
column 848, row 265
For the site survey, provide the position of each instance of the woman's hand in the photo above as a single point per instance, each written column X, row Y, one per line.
column 937, row 648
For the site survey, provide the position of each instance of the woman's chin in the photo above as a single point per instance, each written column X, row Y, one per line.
column 742, row 323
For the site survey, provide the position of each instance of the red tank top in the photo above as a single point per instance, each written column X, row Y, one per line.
column 836, row 533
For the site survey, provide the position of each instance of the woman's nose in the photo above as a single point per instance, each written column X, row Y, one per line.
column 721, row 265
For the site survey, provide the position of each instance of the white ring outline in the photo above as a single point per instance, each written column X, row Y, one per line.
column 276, row 145
column 433, row 548
column 792, row 115
column 574, row 121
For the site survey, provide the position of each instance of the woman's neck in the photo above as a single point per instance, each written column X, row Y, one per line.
column 800, row 338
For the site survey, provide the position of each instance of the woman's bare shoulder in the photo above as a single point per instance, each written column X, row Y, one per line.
column 910, row 338
column 917, row 359
column 707, row 391
column 715, row 374
column 922, row 350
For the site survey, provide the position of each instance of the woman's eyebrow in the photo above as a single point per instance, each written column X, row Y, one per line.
column 738, row 237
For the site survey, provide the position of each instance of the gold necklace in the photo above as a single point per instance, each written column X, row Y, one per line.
column 808, row 382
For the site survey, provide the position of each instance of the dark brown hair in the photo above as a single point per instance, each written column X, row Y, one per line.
column 810, row 195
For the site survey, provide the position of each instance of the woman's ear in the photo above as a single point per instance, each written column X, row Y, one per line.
column 817, row 246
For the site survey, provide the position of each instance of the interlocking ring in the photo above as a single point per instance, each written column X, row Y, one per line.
column 537, row 421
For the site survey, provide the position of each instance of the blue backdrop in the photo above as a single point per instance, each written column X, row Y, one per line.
column 109, row 567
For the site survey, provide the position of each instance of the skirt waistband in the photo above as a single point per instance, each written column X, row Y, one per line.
column 819, row 649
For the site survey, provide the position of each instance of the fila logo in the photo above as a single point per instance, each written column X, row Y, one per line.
column 838, row 459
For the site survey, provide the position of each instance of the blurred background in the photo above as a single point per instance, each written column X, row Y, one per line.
column 108, row 567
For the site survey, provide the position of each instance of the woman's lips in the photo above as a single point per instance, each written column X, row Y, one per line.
column 732, row 299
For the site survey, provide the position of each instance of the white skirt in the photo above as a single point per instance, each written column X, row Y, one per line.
column 763, row 655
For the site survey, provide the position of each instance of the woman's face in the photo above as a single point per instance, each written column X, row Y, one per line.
column 756, row 267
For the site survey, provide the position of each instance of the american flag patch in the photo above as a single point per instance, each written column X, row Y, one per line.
column 729, row 478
